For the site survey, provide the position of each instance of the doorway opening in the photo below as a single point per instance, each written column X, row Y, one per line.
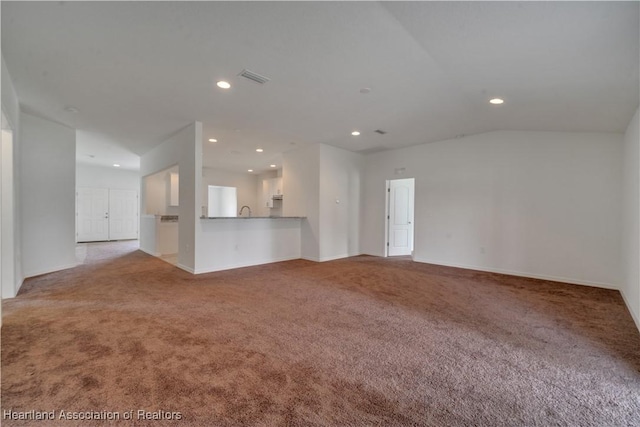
column 159, row 222
column 399, row 229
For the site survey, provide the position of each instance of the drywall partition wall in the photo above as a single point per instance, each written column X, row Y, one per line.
column 630, row 287
column 301, row 189
column 48, row 187
column 246, row 184
column 183, row 148
column 11, row 110
column 340, row 201
column 538, row 204
column 92, row 176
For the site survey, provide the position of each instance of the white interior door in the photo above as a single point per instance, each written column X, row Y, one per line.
column 400, row 218
column 123, row 214
column 92, row 216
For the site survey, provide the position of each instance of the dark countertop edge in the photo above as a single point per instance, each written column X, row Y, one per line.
column 252, row 217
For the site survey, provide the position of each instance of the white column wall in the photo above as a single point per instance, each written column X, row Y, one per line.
column 301, row 190
column 12, row 258
column 630, row 288
column 48, row 187
column 184, row 148
column 340, row 203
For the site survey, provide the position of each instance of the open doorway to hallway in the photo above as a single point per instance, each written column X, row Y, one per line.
column 400, row 217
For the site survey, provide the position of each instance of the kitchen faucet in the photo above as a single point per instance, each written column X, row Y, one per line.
column 242, row 209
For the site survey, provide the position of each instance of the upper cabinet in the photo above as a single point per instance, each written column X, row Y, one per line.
column 271, row 188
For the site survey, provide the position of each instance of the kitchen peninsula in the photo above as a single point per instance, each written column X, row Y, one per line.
column 232, row 242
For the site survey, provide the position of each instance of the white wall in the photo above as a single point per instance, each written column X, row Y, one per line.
column 538, row 204
column 92, row 176
column 48, row 184
column 301, row 195
column 12, row 258
column 183, row 148
column 630, row 288
column 340, row 201
column 246, row 184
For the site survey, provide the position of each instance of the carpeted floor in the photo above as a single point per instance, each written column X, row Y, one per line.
column 356, row 342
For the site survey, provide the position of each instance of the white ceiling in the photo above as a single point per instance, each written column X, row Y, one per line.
column 139, row 71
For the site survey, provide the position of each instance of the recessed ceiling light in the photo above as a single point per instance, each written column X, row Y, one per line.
column 115, row 165
column 355, row 133
column 70, row 109
column 273, row 166
column 496, row 101
column 249, row 170
column 365, row 90
column 223, row 85
column 213, row 140
column 259, row 150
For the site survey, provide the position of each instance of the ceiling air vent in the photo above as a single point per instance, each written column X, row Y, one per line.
column 380, row 131
column 253, row 76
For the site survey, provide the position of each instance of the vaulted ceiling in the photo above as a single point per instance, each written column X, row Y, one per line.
column 138, row 71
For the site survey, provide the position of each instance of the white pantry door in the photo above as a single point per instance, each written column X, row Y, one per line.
column 400, row 239
column 123, row 214
column 92, row 217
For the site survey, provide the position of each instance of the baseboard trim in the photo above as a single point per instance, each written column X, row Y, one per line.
column 185, row 268
column 333, row 258
column 330, row 258
column 521, row 274
column 634, row 316
column 158, row 254
column 242, row 265
column 53, row 270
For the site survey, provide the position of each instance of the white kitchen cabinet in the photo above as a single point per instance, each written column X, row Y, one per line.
column 270, row 188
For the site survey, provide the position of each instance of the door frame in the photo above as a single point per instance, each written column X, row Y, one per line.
column 387, row 193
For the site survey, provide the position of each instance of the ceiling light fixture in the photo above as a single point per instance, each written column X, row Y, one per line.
column 223, row 85
column 496, row 101
column 70, row 109
column 273, row 166
column 249, row 170
column 259, row 150
column 213, row 140
column 355, row 133
column 115, row 165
